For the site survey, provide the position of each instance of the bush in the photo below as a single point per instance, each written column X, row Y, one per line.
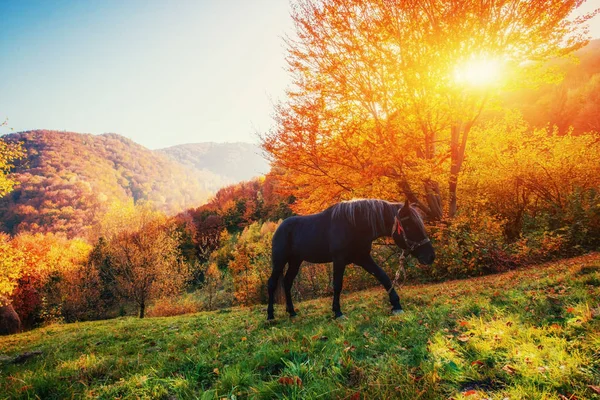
column 169, row 306
column 471, row 244
column 250, row 267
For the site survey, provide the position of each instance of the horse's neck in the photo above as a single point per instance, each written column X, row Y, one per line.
column 389, row 223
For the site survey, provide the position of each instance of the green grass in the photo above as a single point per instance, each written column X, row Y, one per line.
column 530, row 334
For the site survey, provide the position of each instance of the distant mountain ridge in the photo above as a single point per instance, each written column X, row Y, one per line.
column 235, row 162
column 67, row 179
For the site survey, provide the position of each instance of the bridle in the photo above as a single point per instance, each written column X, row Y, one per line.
column 399, row 229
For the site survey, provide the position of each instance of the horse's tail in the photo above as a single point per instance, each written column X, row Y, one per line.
column 280, row 254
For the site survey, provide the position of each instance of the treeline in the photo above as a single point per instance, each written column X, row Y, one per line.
column 529, row 200
column 134, row 256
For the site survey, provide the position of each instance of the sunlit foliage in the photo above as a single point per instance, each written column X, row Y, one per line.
column 251, row 264
column 45, row 266
column 144, row 253
column 376, row 109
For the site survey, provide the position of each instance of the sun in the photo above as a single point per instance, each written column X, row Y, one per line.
column 478, row 71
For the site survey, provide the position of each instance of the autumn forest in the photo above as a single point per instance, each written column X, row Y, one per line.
column 484, row 115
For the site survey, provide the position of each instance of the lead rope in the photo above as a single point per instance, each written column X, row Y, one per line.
column 400, row 269
column 401, row 259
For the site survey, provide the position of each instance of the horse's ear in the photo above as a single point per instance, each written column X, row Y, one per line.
column 405, row 206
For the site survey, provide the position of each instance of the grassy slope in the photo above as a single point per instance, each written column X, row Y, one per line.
column 533, row 333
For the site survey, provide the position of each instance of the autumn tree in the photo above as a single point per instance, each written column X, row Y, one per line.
column 48, row 264
column 522, row 172
column 11, row 267
column 212, row 281
column 386, row 93
column 144, row 253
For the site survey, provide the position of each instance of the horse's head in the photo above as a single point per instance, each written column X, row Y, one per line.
column 409, row 234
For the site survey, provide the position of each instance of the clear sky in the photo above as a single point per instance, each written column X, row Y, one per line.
column 161, row 72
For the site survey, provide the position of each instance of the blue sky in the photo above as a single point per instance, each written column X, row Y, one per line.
column 159, row 72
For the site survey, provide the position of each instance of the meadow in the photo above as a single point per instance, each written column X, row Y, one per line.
column 532, row 333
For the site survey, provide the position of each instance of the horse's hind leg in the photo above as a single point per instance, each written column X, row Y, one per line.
column 278, row 266
column 290, row 275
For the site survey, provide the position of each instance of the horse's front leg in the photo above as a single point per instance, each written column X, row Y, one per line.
column 338, row 278
column 371, row 267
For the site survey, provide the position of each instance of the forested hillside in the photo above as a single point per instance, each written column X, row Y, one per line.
column 233, row 162
column 67, row 179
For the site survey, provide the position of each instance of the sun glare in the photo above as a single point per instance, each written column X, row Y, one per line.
column 478, row 71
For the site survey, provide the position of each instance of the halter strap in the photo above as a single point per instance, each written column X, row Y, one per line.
column 398, row 228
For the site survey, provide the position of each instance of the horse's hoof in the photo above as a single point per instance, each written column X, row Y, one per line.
column 398, row 311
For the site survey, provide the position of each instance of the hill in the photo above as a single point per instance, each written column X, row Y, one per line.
column 233, row 162
column 531, row 333
column 68, row 178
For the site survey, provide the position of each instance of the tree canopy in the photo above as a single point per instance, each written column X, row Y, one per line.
column 386, row 92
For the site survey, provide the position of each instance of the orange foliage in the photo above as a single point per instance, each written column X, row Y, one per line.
column 49, row 262
column 375, row 110
column 144, row 252
column 67, row 179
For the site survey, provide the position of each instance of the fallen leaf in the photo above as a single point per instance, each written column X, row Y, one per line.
column 464, row 338
column 477, row 362
column 290, row 381
column 509, row 369
column 595, row 388
column 470, row 392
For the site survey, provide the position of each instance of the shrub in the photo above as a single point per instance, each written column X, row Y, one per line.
column 169, row 306
column 250, row 267
column 470, row 244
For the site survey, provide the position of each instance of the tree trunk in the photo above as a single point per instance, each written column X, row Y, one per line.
column 434, row 204
column 458, row 145
column 454, row 168
column 434, row 200
column 142, row 309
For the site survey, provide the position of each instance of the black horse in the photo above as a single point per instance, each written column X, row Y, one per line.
column 344, row 233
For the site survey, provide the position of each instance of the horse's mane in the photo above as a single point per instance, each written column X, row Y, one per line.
column 376, row 213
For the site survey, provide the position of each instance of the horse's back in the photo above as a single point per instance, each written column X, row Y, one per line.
column 303, row 237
